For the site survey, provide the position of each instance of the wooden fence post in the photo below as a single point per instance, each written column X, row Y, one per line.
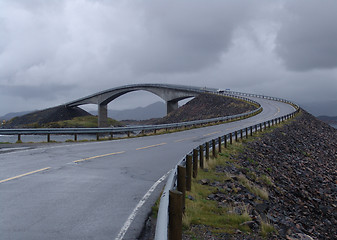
column 213, row 148
column 231, row 138
column 48, row 137
column 225, row 140
column 175, row 215
column 219, row 146
column 182, row 183
column 201, row 154
column 195, row 163
column 188, row 172
column 207, row 151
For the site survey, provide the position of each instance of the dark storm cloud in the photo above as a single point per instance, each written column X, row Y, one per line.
column 183, row 36
column 308, row 36
column 55, row 51
column 46, row 92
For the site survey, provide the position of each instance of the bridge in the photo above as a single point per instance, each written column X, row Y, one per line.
column 172, row 94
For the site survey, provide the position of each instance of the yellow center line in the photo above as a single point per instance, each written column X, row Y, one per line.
column 212, row 133
column 180, row 140
column 25, row 174
column 99, row 156
column 155, row 145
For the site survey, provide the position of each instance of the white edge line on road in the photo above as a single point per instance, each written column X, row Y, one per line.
column 139, row 205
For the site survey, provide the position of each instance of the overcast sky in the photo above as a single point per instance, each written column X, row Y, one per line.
column 55, row 51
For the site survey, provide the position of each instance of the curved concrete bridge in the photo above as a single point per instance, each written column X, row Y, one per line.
column 172, row 94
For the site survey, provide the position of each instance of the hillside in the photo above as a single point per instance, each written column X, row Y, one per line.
column 11, row 115
column 296, row 164
column 207, row 106
column 39, row 118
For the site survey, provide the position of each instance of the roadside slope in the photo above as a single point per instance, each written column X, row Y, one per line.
column 207, row 106
column 297, row 165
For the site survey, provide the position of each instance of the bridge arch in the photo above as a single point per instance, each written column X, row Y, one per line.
column 171, row 94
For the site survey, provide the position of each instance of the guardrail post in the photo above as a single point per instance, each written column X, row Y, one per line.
column 207, row 151
column 111, row 135
column 231, row 138
column 181, row 187
column 19, row 137
column 97, row 136
column 241, row 134
column 255, row 128
column 75, row 137
column 175, row 215
column 213, row 148
column 219, row 144
column 188, row 172
column 201, row 153
column 225, row 140
column 251, row 130
column 48, row 137
column 129, row 133
column 268, row 124
column 195, row 163
column 260, row 127
column 236, row 136
column 246, row 132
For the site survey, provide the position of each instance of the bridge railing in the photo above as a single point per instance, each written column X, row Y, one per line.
column 127, row 130
column 162, row 227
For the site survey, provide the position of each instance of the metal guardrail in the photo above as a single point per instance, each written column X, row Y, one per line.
column 162, row 232
column 121, row 130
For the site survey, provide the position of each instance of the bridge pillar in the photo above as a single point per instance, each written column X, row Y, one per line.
column 171, row 106
column 102, row 115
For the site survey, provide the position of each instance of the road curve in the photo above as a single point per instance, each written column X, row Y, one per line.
column 91, row 190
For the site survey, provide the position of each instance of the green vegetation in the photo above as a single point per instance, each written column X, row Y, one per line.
column 77, row 122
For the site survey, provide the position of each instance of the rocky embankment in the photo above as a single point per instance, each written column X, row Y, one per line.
column 297, row 165
column 207, row 106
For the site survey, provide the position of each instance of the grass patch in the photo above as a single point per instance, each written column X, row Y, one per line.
column 258, row 191
column 266, row 180
column 266, row 229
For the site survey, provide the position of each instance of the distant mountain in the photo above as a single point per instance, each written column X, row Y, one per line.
column 9, row 116
column 327, row 108
column 155, row 110
column 327, row 119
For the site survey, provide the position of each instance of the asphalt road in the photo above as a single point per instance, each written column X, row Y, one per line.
column 95, row 190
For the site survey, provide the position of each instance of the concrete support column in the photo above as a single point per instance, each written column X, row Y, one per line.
column 102, row 115
column 171, row 106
